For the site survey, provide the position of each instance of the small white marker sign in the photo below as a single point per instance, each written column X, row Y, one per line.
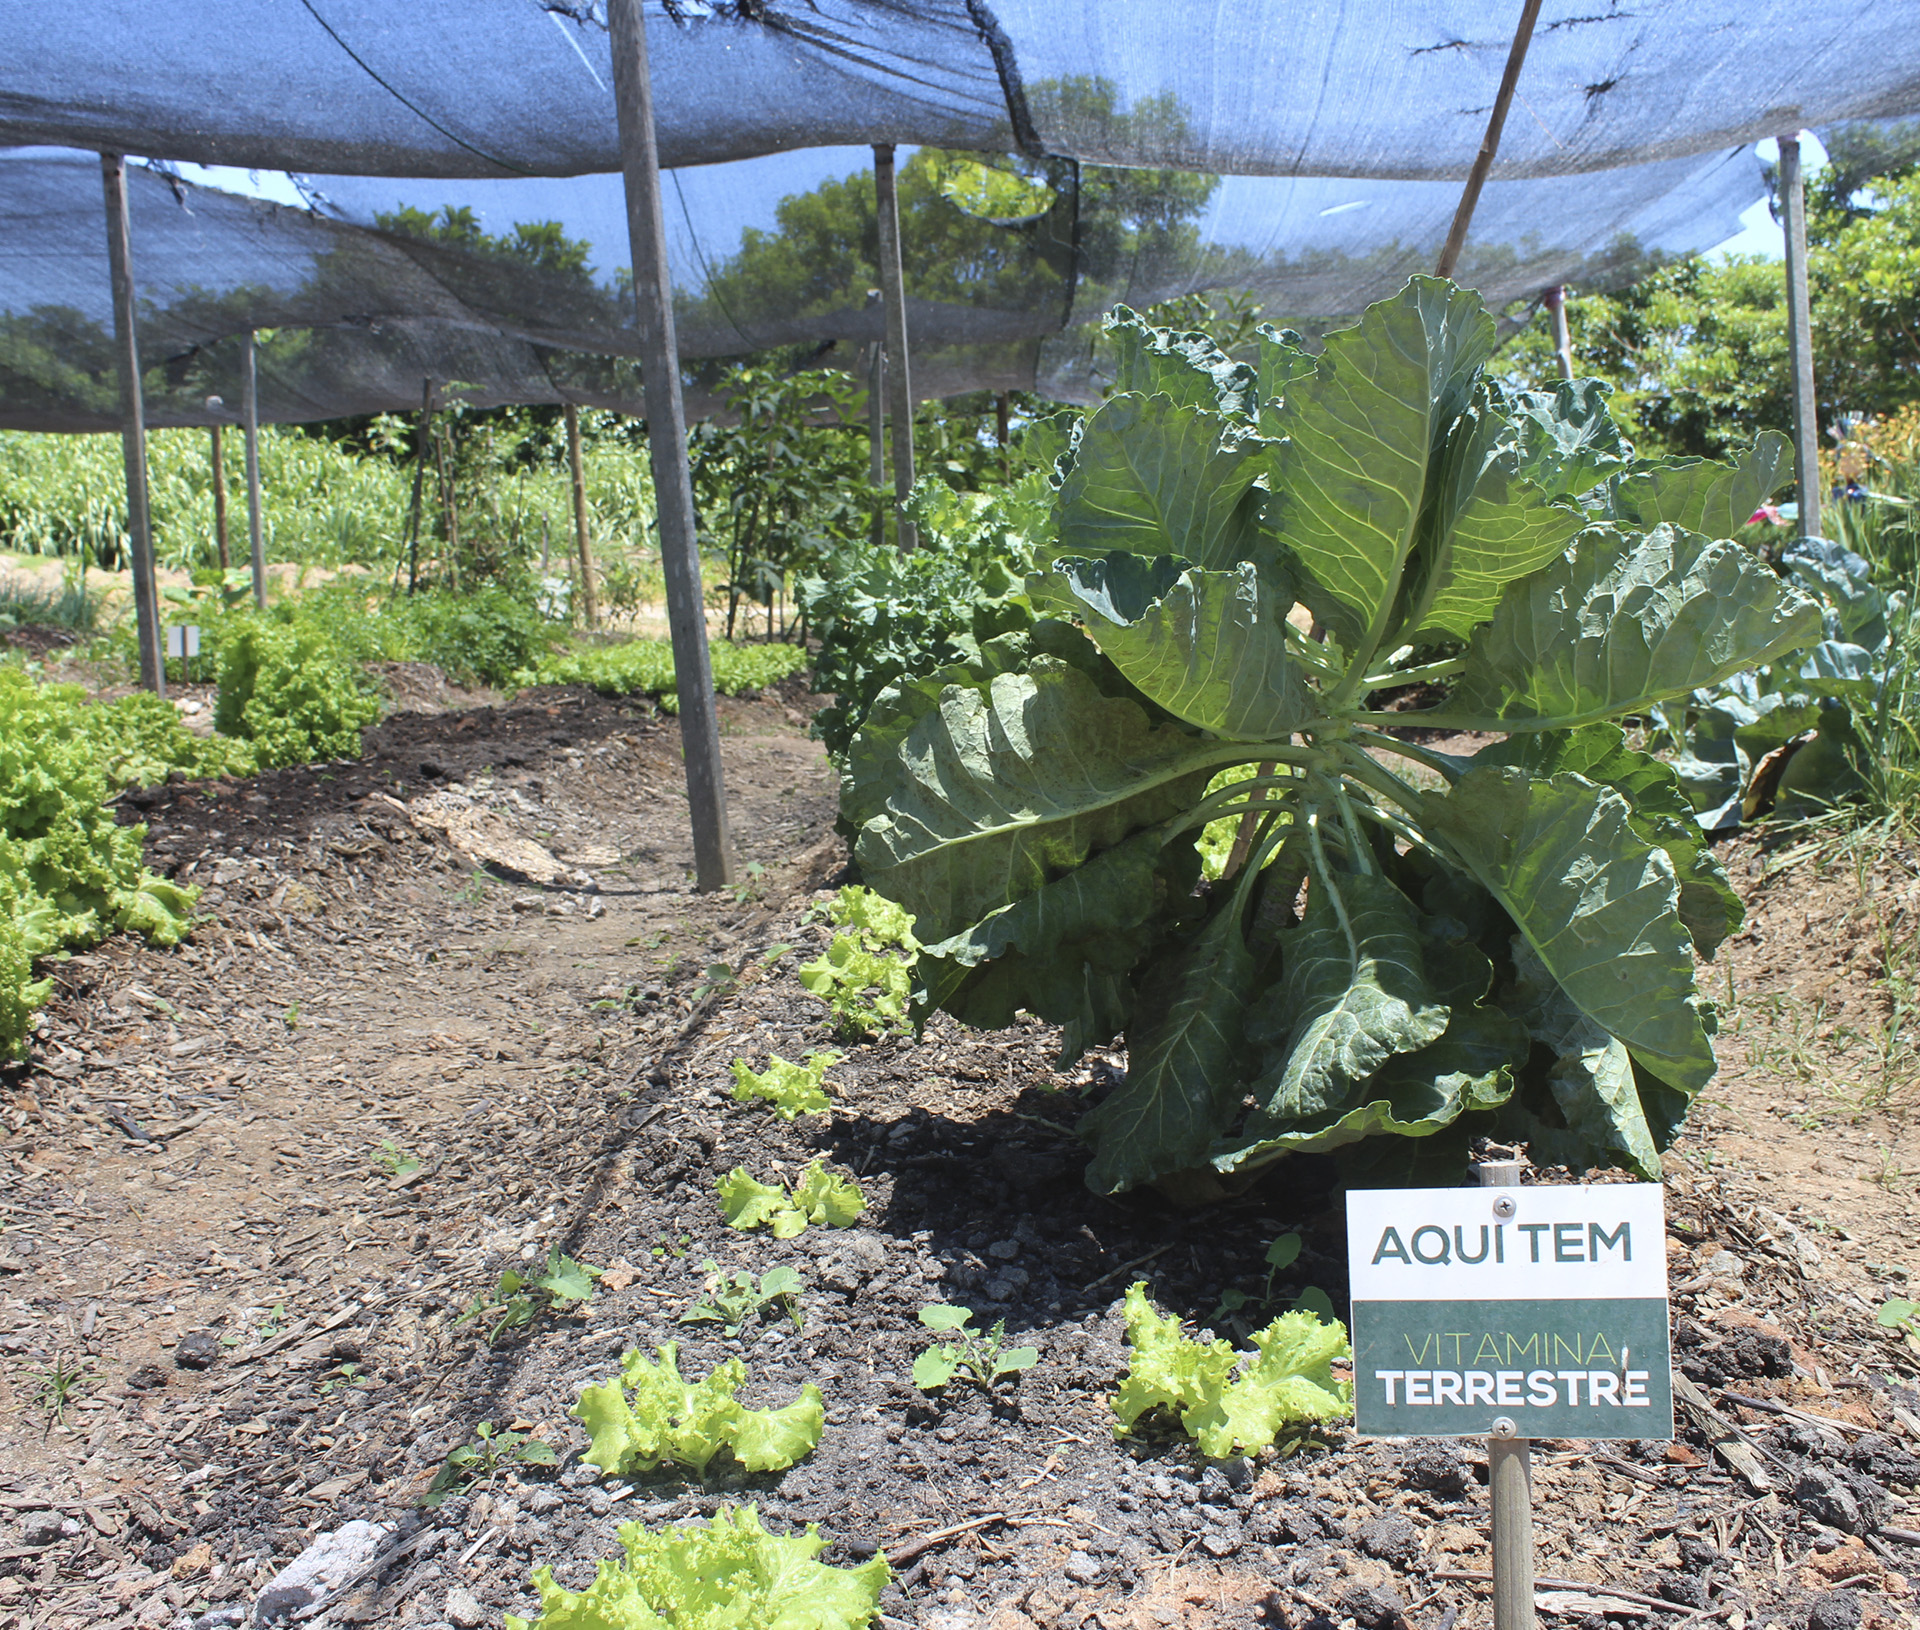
column 1546, row 1305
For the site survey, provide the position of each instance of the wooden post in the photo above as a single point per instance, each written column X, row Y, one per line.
column 1002, row 408
column 133, row 426
column 667, row 448
column 1509, row 1479
column 893, row 296
column 1489, row 143
column 1806, row 407
column 250, row 423
column 1562, row 340
column 877, row 430
column 419, row 480
column 588, row 597
column 219, row 500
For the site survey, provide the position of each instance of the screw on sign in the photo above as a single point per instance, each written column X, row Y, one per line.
column 1512, row 1313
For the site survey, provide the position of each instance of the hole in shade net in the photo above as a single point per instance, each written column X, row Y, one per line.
column 1341, row 209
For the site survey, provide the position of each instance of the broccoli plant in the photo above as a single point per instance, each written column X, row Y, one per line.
column 1405, row 941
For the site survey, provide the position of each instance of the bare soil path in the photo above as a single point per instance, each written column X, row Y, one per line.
column 252, row 1184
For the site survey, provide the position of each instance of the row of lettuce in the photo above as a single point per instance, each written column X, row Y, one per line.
column 294, row 685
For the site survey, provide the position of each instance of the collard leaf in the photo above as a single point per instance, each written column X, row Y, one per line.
column 1592, row 1082
column 1471, row 1067
column 1283, row 359
column 1064, row 952
column 1620, row 622
column 1487, row 527
column 1704, row 495
column 997, row 792
column 1597, row 901
column 1349, row 484
column 1156, row 477
column 1662, row 813
column 1567, row 441
column 934, row 1368
column 1353, row 993
column 1186, row 367
column 1183, row 1060
column 1211, row 648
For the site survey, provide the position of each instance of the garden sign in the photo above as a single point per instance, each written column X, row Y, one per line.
column 1544, row 1307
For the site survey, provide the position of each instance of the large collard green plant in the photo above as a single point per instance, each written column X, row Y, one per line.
column 1410, row 942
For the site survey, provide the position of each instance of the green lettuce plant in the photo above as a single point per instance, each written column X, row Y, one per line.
column 865, row 975
column 647, row 1417
column 792, row 1089
column 820, row 1196
column 723, row 1575
column 1285, row 1382
column 1407, row 942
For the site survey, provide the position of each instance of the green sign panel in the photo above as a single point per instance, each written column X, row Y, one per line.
column 1544, row 1309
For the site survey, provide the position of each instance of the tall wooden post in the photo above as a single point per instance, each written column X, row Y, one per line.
column 893, row 296
column 1562, row 340
column 1806, row 407
column 1509, row 1477
column 133, row 426
column 877, row 431
column 250, row 423
column 1490, row 142
column 421, row 430
column 588, row 596
column 219, row 500
column 667, row 448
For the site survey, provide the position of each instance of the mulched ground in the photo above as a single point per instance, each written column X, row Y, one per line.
column 210, row 1160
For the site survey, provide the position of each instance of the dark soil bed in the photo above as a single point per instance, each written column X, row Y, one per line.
column 211, row 1158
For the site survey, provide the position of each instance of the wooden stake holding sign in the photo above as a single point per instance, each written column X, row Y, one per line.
column 1515, row 1313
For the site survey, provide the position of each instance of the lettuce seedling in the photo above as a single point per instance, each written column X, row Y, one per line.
column 984, row 1358
column 792, row 1089
column 1404, row 946
column 1286, row 1382
column 721, row 1575
column 735, row 1300
column 819, row 1197
column 647, row 1417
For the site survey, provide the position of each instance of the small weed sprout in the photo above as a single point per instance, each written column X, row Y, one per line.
column 738, row 1299
column 518, row 1299
column 984, row 1359
column 57, row 1386
column 1902, row 1315
column 395, row 1160
column 1281, row 1255
column 472, row 1464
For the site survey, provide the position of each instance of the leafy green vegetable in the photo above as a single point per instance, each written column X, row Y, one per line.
column 984, row 1358
column 865, row 975
column 1382, row 950
column 792, row 1089
column 636, row 666
column 735, row 1300
column 724, row 1575
column 647, row 1417
column 1286, row 1382
column 1897, row 1313
column 69, row 874
column 292, row 693
column 819, row 1197
column 468, row 1465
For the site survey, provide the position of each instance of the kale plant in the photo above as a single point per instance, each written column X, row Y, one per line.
column 1408, row 942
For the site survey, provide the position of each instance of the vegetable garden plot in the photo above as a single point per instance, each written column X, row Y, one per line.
column 962, row 1146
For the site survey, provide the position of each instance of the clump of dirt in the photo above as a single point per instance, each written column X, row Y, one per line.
column 259, row 1182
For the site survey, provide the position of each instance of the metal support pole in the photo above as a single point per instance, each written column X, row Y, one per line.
column 1489, row 143
column 893, row 295
column 588, row 597
column 1806, row 407
column 1562, row 340
column 250, row 423
column 1509, row 1480
column 133, row 427
column 667, row 448
column 219, row 500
